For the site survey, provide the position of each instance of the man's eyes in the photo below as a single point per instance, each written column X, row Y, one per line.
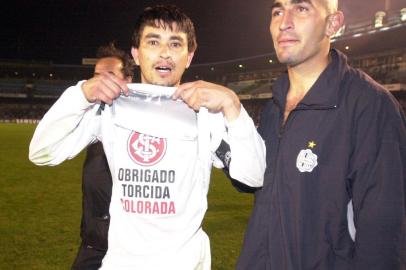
column 152, row 42
column 279, row 12
column 302, row 9
column 276, row 12
column 176, row 44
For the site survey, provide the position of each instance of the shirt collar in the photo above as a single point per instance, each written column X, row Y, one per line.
column 325, row 90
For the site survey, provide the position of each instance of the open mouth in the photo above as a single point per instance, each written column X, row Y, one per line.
column 163, row 69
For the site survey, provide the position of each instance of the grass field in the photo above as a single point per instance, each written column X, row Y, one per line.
column 40, row 209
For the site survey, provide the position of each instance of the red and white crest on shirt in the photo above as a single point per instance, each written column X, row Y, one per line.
column 146, row 150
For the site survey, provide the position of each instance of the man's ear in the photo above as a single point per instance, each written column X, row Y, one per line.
column 134, row 53
column 334, row 23
column 189, row 58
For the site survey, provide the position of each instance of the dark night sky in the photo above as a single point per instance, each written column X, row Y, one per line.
column 66, row 31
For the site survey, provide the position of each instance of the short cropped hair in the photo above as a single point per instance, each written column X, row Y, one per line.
column 165, row 16
column 332, row 6
column 112, row 51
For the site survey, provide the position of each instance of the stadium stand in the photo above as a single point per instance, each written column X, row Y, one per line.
column 28, row 89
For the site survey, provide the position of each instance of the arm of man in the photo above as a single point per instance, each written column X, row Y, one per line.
column 378, row 181
column 223, row 153
column 71, row 124
column 246, row 161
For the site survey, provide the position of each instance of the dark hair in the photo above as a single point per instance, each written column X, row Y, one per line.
column 112, row 51
column 165, row 16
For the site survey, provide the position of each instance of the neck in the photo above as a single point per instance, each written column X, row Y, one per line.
column 304, row 75
column 160, row 84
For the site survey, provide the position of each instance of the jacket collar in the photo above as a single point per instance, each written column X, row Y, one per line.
column 324, row 92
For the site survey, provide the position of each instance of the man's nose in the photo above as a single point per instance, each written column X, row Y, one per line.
column 164, row 51
column 286, row 21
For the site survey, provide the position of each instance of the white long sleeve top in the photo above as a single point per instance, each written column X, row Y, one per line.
column 160, row 167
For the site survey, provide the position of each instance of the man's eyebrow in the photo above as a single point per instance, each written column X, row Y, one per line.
column 301, row 1
column 276, row 5
column 294, row 2
column 178, row 38
column 152, row 35
column 98, row 73
column 174, row 37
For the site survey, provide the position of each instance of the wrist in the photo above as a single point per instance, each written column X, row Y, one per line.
column 85, row 89
column 231, row 107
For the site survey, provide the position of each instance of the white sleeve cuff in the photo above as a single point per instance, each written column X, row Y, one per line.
column 240, row 127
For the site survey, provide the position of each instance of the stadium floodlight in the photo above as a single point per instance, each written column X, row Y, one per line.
column 403, row 14
column 379, row 16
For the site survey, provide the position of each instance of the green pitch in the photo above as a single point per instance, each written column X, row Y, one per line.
column 40, row 209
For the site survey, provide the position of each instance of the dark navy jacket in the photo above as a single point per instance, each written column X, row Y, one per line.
column 96, row 188
column 345, row 140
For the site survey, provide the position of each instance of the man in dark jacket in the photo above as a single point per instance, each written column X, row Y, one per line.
column 97, row 183
column 332, row 135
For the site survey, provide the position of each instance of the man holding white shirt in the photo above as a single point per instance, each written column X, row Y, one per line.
column 160, row 151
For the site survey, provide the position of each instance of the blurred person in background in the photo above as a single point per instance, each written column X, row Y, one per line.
column 96, row 179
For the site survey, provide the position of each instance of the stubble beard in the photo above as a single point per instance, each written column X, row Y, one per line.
column 289, row 59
